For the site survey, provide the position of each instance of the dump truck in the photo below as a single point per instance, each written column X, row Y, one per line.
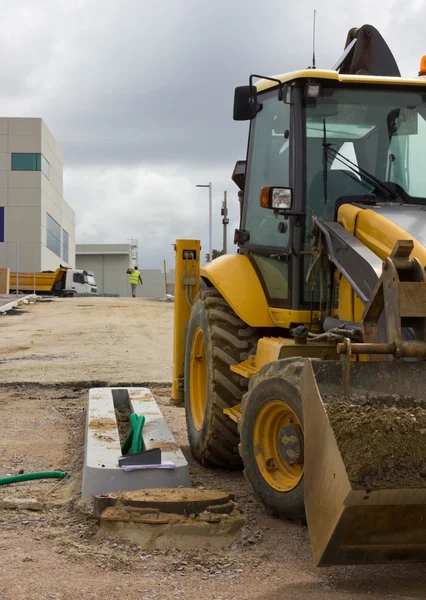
column 303, row 359
column 62, row 282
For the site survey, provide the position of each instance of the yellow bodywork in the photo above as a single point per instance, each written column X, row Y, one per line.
column 379, row 234
column 347, row 216
column 234, row 276
column 265, row 84
column 268, row 350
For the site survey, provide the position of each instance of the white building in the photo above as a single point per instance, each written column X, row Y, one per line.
column 36, row 224
column 109, row 263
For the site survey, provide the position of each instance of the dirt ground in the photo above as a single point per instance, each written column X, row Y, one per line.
column 50, row 354
column 81, row 339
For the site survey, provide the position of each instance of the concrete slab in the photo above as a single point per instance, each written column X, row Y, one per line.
column 183, row 533
column 184, row 518
column 9, row 301
column 101, row 473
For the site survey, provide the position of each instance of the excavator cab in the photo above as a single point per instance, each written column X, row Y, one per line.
column 294, row 360
column 319, row 140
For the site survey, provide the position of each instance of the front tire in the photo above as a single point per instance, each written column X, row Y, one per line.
column 271, row 434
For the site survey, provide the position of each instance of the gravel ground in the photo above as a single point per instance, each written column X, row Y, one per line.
column 50, row 354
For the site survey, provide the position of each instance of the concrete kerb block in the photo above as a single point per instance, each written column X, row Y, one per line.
column 12, row 301
column 101, row 473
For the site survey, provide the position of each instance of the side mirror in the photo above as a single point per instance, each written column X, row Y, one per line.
column 276, row 198
column 245, row 103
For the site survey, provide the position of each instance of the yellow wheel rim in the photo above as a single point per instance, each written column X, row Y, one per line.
column 278, row 445
column 198, row 378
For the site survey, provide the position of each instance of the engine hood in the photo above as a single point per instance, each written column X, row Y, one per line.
column 411, row 219
column 380, row 227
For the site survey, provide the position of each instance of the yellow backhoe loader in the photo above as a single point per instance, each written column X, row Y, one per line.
column 302, row 358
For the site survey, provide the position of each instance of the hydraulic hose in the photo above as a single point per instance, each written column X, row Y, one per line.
column 134, row 440
column 30, row 476
column 127, row 442
column 137, row 425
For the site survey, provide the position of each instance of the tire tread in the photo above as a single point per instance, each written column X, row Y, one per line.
column 229, row 336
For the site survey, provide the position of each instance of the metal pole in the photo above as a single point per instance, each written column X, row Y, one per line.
column 17, row 268
column 210, row 222
column 165, row 276
column 225, row 222
column 103, row 274
column 35, row 269
column 209, row 185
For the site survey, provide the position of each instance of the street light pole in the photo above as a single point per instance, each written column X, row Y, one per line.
column 210, row 223
column 209, row 185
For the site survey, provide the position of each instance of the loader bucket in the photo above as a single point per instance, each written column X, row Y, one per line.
column 365, row 462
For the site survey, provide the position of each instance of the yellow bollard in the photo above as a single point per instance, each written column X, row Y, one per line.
column 187, row 285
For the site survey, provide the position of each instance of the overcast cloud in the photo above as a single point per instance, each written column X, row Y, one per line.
column 139, row 96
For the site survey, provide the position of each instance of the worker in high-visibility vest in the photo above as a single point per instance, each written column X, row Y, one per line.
column 135, row 279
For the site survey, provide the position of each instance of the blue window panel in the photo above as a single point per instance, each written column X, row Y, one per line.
column 30, row 161
column 65, row 245
column 44, row 166
column 1, row 223
column 25, row 162
column 53, row 235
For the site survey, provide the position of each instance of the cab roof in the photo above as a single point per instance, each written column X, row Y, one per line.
column 264, row 84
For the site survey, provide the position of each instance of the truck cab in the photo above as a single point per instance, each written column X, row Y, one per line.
column 78, row 282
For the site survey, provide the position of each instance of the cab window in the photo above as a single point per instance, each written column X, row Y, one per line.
column 269, row 165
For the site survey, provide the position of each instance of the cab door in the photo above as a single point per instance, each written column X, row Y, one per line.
column 267, row 237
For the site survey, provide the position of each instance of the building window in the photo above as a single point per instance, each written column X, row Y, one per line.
column 65, row 245
column 53, row 235
column 30, row 161
column 44, row 166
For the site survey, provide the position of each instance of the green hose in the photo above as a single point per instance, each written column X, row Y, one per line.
column 30, row 476
column 127, row 442
column 134, row 440
column 137, row 425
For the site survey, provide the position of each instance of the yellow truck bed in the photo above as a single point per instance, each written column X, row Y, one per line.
column 44, row 282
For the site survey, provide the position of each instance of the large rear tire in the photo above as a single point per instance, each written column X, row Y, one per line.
column 271, row 434
column 216, row 339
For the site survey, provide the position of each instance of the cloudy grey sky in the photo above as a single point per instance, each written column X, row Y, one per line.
column 139, row 95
